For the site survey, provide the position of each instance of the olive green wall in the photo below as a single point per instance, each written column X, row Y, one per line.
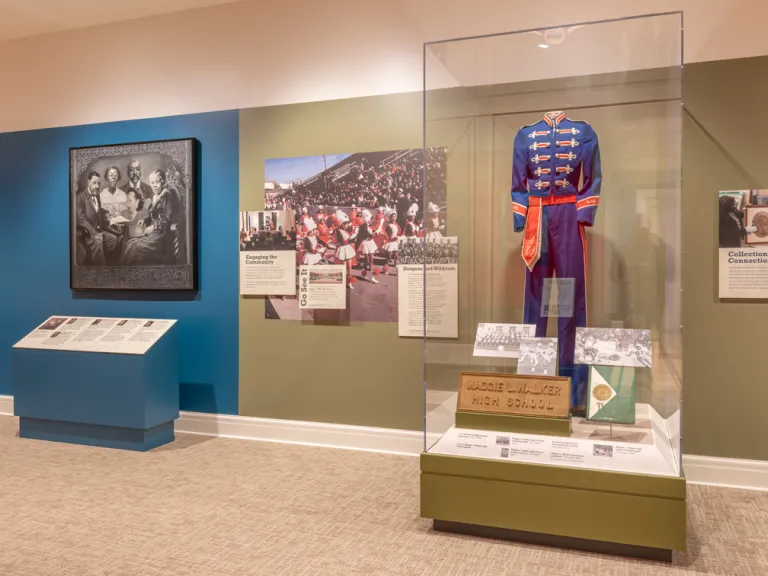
column 724, row 346
column 360, row 374
column 364, row 374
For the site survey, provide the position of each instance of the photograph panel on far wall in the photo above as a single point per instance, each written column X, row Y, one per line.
column 743, row 244
column 133, row 211
column 351, row 210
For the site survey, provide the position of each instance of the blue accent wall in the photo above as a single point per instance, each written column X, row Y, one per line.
column 34, row 235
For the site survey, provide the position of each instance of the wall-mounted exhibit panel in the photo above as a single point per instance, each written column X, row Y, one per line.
column 341, row 167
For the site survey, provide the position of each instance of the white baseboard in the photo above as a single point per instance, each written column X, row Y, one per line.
column 708, row 470
column 6, row 405
column 726, row 472
column 387, row 440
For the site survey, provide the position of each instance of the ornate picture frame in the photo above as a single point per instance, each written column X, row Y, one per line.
column 133, row 216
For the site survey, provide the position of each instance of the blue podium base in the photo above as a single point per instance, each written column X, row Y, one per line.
column 126, row 401
column 96, row 435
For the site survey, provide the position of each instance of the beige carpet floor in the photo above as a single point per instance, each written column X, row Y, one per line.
column 209, row 507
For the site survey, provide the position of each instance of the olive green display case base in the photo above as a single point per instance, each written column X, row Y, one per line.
column 642, row 515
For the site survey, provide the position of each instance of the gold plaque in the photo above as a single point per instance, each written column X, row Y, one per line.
column 517, row 394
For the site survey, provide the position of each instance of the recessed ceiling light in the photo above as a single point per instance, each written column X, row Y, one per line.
column 543, row 45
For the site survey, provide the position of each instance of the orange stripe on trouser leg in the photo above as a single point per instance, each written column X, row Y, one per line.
column 584, row 250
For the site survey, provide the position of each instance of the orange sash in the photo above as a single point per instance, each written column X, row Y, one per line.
column 532, row 235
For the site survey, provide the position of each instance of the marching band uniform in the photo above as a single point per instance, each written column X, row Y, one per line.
column 344, row 251
column 550, row 157
column 393, row 233
column 433, row 223
column 410, row 229
column 312, row 254
column 332, row 221
column 345, row 254
column 355, row 217
column 323, row 232
column 366, row 245
column 307, row 224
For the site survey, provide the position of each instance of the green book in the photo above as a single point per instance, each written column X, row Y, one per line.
column 611, row 396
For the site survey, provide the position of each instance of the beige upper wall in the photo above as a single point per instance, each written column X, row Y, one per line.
column 22, row 18
column 259, row 53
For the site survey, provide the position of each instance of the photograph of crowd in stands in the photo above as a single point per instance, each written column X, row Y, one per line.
column 352, row 209
column 267, row 231
column 133, row 208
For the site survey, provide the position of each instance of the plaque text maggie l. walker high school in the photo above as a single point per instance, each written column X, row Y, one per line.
column 515, row 394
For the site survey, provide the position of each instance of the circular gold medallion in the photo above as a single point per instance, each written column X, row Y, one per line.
column 602, row 392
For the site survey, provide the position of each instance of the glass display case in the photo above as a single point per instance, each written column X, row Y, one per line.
column 564, row 150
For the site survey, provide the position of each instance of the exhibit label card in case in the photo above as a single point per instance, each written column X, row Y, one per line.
column 611, row 396
column 515, row 394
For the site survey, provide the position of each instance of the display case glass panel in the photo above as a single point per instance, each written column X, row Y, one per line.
column 564, row 196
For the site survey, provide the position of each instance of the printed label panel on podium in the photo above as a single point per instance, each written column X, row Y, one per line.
column 92, row 334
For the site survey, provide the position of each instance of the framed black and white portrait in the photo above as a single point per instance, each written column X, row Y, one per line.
column 133, row 216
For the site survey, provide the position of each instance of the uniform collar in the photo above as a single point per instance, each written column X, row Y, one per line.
column 554, row 118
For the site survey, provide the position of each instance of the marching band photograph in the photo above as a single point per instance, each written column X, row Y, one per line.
column 501, row 340
column 354, row 210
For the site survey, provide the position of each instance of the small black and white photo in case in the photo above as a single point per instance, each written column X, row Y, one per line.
column 502, row 440
column 132, row 216
column 505, row 452
column 614, row 347
column 602, row 450
column 501, row 340
column 538, row 357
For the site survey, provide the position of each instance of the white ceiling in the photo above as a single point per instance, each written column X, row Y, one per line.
column 19, row 18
